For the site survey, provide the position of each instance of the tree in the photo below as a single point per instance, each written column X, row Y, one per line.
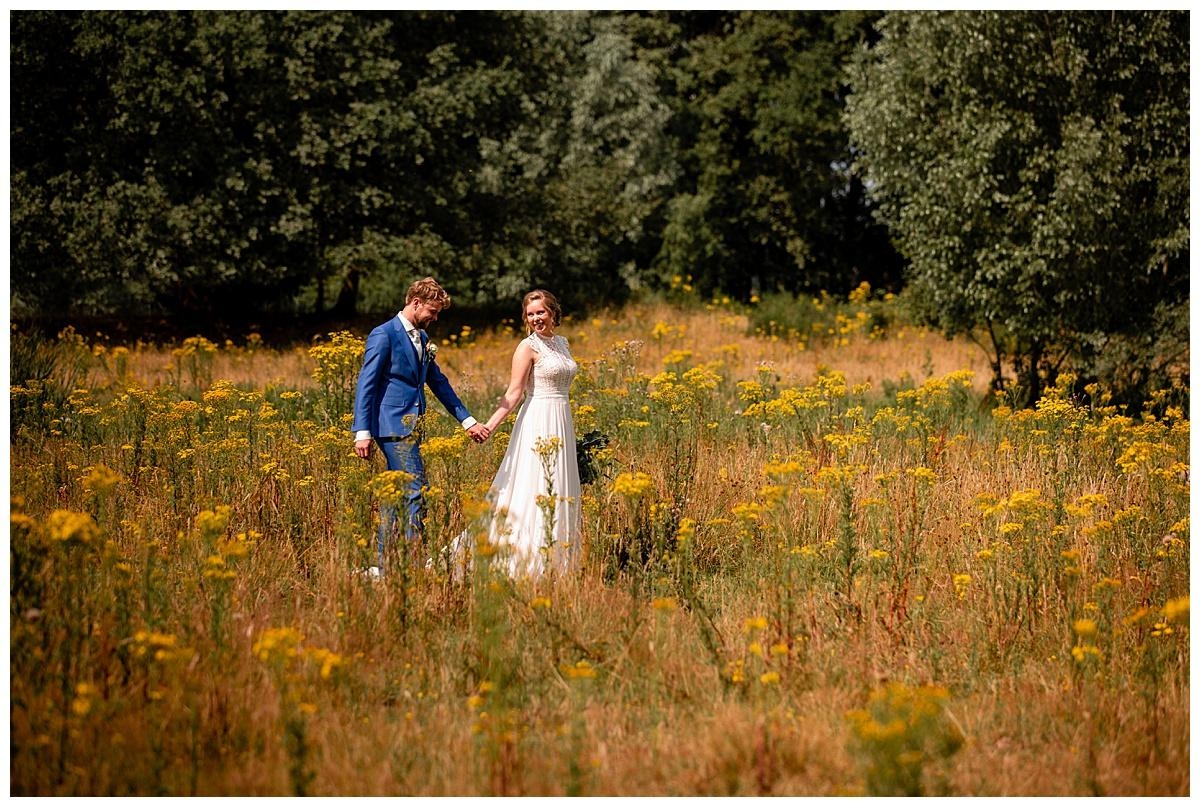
column 768, row 201
column 231, row 164
column 578, row 187
column 205, row 162
column 1033, row 169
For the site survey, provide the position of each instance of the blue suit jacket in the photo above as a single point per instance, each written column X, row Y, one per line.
column 391, row 385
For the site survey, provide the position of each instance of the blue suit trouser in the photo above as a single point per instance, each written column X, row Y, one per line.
column 403, row 455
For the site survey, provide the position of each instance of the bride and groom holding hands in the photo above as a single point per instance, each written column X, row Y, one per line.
column 399, row 362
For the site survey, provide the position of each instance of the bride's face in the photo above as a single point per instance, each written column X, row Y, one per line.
column 539, row 319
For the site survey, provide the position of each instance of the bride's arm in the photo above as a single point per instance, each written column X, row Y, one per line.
column 523, row 358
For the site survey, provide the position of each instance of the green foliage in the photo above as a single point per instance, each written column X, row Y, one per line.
column 800, row 317
column 580, row 181
column 249, row 163
column 223, row 160
column 1033, row 168
column 337, row 363
column 767, row 202
column 821, row 318
column 44, row 373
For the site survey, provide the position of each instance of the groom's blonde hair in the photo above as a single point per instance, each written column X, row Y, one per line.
column 428, row 290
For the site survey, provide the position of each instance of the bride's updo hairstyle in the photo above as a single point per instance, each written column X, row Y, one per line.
column 548, row 300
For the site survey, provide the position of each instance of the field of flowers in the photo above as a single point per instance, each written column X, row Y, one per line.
column 816, row 563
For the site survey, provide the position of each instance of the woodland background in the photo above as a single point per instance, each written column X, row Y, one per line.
column 1020, row 177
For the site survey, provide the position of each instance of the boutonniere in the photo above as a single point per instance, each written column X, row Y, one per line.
column 431, row 350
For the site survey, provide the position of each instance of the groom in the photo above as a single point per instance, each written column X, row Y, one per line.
column 390, row 400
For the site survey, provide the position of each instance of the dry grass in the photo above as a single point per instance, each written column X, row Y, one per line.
column 862, row 591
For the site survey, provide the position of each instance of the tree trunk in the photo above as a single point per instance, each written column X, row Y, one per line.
column 347, row 301
column 1033, row 378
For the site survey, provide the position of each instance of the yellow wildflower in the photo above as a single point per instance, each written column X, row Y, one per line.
column 100, row 479
column 69, row 527
column 754, row 623
column 581, row 669
column 633, row 485
column 1177, row 610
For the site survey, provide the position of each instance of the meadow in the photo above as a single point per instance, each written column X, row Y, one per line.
column 818, row 562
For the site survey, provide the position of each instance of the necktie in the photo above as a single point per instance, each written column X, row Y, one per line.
column 415, row 336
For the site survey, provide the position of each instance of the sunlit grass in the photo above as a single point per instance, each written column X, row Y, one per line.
column 812, row 567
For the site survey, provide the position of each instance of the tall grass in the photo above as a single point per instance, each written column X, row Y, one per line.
column 811, row 567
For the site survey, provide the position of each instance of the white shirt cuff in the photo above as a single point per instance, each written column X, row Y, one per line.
column 362, row 434
column 469, row 422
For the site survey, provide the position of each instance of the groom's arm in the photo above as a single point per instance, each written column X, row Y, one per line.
column 366, row 395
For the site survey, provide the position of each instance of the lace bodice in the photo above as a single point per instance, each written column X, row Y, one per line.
column 554, row 368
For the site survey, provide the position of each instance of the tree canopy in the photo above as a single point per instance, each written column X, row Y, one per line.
column 1030, row 167
column 1033, row 169
column 230, row 163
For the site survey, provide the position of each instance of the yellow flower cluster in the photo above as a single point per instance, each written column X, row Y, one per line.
column 282, row 648
column 1177, row 610
column 664, row 604
column 278, row 646
column 677, row 357
column 829, row 387
column 327, row 661
column 683, row 395
column 338, row 359
column 580, row 669
column 901, row 730
column 390, row 487
column 783, row 471
column 662, row 330
column 448, row 448
column 215, row 568
column 195, row 345
column 69, row 527
column 547, row 447
column 751, row 512
column 160, row 648
column 837, row 475
column 634, row 485
column 860, row 294
column 1085, row 649
column 100, row 480
column 843, row 443
column 211, row 524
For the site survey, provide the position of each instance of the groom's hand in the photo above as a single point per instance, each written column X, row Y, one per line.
column 479, row 432
column 362, row 448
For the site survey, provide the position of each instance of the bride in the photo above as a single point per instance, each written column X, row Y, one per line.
column 534, row 500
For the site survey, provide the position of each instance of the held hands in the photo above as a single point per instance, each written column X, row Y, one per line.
column 479, row 433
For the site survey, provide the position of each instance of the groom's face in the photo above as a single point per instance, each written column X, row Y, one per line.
column 425, row 314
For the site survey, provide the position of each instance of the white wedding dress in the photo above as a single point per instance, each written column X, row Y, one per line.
column 536, row 532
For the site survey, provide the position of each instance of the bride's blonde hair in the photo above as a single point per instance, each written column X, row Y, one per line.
column 548, row 299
